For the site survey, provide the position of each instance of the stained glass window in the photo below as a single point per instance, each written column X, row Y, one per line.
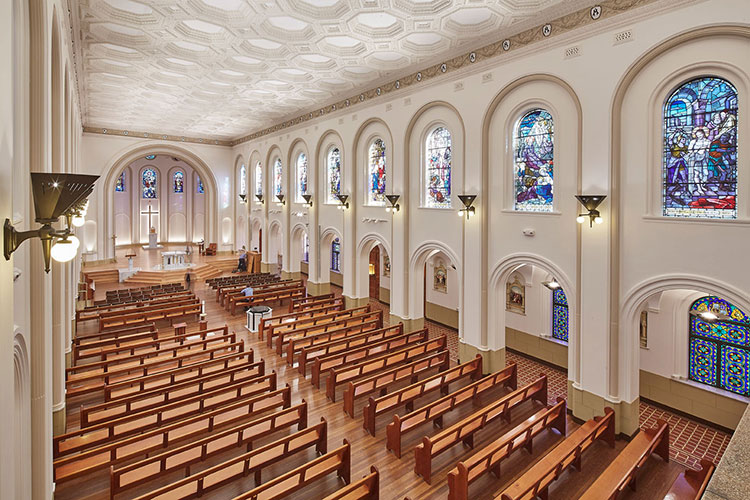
column 438, row 169
column 559, row 315
column 278, row 172
column 258, row 179
column 150, row 157
column 700, row 150
column 334, row 175
column 243, row 179
column 305, row 248
column 376, row 172
column 720, row 350
column 120, row 184
column 533, row 160
column 179, row 182
column 336, row 255
column 301, row 177
column 148, row 182
column 200, row 189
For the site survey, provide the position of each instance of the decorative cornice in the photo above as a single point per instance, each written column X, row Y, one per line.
column 537, row 34
column 160, row 137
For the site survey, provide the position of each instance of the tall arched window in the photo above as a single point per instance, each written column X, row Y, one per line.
column 336, row 255
column 305, row 248
column 334, row 175
column 699, row 165
column 120, row 184
column 148, row 183
column 720, row 345
column 278, row 173
column 559, row 315
column 301, row 177
column 178, row 181
column 376, row 171
column 533, row 161
column 438, row 169
column 243, row 179
column 199, row 189
column 258, row 179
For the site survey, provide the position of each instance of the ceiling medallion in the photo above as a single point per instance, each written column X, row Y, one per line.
column 311, row 115
column 334, row 107
column 596, row 12
column 164, row 137
column 104, row 131
column 443, row 67
column 125, row 133
column 145, row 134
column 398, row 84
column 473, row 57
column 347, row 102
column 182, row 139
column 378, row 91
column 547, row 30
column 419, row 76
column 506, row 44
column 361, row 97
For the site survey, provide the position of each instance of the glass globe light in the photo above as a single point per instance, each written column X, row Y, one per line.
column 63, row 251
column 598, row 220
column 75, row 241
column 78, row 220
column 580, row 219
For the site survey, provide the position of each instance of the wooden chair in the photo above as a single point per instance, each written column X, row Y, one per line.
column 367, row 488
column 210, row 250
column 691, row 484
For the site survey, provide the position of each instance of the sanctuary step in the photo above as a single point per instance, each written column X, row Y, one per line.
column 103, row 276
column 157, row 277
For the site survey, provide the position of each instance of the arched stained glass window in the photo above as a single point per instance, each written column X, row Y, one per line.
column 278, row 173
column 438, row 169
column 376, row 170
column 258, row 179
column 243, row 179
column 199, row 188
column 334, row 175
column 720, row 348
column 301, row 177
column 305, row 248
column 120, row 184
column 336, row 255
column 559, row 315
column 148, row 183
column 533, row 161
column 700, row 150
column 178, row 179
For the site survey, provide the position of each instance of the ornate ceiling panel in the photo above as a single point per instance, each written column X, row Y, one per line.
column 223, row 68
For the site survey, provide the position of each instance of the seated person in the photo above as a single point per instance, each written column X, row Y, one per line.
column 242, row 264
column 247, row 292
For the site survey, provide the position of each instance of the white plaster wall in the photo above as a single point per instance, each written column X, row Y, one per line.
column 448, row 300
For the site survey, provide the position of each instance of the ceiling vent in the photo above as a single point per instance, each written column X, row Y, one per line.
column 623, row 37
column 572, row 52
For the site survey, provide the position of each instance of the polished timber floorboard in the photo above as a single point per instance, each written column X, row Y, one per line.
column 397, row 477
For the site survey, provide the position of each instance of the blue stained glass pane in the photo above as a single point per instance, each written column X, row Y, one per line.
column 200, row 189
column 334, row 175
column 720, row 307
column 120, row 184
column 150, row 157
column 559, row 315
column 735, row 369
column 278, row 172
column 703, row 361
column 534, row 161
column 148, row 182
column 728, row 332
column 179, row 182
column 335, row 255
column 438, row 168
column 377, row 172
column 301, row 177
column 700, row 150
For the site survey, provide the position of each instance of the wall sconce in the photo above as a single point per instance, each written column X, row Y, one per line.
column 55, row 195
column 308, row 200
column 280, row 198
column 393, row 200
column 590, row 202
column 467, row 200
column 259, row 197
column 372, row 270
column 243, row 198
column 552, row 284
column 343, row 204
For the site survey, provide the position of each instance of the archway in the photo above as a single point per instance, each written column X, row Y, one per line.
column 298, row 249
column 363, row 279
column 435, row 266
column 256, row 238
column 21, row 417
column 275, row 246
column 325, row 254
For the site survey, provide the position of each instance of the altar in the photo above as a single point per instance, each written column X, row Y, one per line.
column 174, row 260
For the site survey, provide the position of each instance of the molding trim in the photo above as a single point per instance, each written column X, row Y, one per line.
column 156, row 136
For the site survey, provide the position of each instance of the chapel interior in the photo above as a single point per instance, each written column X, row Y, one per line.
column 375, row 249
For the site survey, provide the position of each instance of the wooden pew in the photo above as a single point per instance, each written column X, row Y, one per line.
column 343, row 374
column 322, row 364
column 260, row 394
column 97, row 382
column 92, row 414
column 299, row 304
column 408, row 395
column 315, row 346
column 489, row 458
column 536, row 480
column 225, row 293
column 337, row 305
column 252, row 462
column 367, row 488
column 691, row 484
column 622, row 471
column 94, row 312
column 338, row 461
column 274, row 329
column 285, row 337
column 121, row 334
column 279, row 295
column 382, row 381
column 434, row 411
column 109, row 318
column 140, row 318
column 306, row 347
column 162, row 438
column 463, row 431
column 82, row 347
column 184, row 374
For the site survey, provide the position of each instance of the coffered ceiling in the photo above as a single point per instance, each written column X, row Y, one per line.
column 223, row 68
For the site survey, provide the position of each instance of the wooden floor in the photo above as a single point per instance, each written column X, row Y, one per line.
column 397, row 477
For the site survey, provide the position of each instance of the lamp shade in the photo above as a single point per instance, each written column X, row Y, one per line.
column 64, row 251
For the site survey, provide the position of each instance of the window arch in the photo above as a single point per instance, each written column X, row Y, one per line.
column 699, row 161
column 178, row 181
column 258, row 179
column 438, row 161
column 278, row 173
column 148, row 184
column 559, row 315
column 720, row 348
column 301, row 177
column 533, row 161
column 120, row 184
column 243, row 179
column 376, row 173
column 333, row 172
column 336, row 255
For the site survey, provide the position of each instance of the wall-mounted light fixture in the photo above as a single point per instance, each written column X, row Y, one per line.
column 343, row 204
column 243, row 198
column 280, row 200
column 393, row 200
column 308, row 200
column 467, row 200
column 55, row 195
column 590, row 202
column 551, row 284
column 259, row 197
